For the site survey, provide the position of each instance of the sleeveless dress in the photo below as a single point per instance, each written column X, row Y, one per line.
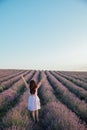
column 33, row 102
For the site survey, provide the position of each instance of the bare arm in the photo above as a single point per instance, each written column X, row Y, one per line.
column 39, row 84
column 26, row 84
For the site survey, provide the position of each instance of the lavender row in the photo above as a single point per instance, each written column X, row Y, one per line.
column 7, row 84
column 7, row 97
column 69, row 99
column 6, row 72
column 10, row 76
column 77, row 75
column 46, row 91
column 82, row 75
column 55, row 114
column 77, row 82
column 19, row 117
column 79, row 92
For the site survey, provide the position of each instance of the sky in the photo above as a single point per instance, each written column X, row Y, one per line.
column 43, row 34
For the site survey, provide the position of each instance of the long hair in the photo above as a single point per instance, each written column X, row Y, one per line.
column 33, row 87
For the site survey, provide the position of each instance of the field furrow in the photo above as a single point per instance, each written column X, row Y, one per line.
column 19, row 117
column 10, row 82
column 55, row 115
column 10, row 76
column 69, row 99
column 77, row 76
column 63, row 98
column 78, row 91
column 7, row 72
column 77, row 82
column 9, row 97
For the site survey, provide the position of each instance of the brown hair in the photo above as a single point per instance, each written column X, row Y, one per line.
column 33, row 87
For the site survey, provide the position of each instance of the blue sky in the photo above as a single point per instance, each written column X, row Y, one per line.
column 43, row 34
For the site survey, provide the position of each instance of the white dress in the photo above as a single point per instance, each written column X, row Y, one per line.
column 33, row 102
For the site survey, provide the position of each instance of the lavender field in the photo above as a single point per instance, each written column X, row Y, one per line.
column 63, row 98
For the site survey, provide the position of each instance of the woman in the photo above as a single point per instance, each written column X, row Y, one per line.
column 33, row 100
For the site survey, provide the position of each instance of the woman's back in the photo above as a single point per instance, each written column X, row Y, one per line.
column 34, row 93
